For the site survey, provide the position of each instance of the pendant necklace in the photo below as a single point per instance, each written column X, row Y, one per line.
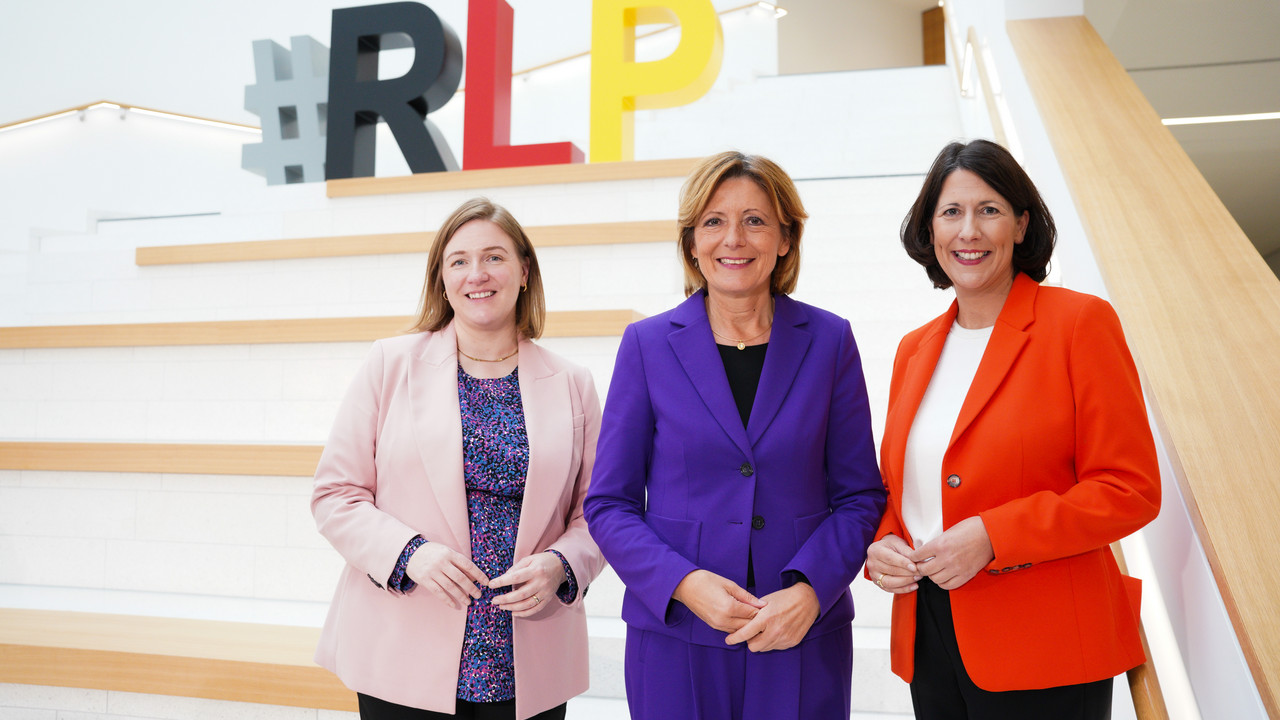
column 742, row 344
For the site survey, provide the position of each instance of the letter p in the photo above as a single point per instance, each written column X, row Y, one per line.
column 620, row 85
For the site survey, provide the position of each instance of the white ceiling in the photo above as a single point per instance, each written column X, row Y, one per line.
column 1194, row 58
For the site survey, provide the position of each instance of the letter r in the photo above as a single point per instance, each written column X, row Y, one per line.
column 620, row 86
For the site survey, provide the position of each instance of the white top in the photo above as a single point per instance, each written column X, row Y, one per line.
column 931, row 431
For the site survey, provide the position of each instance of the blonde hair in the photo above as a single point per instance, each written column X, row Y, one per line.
column 434, row 310
column 703, row 182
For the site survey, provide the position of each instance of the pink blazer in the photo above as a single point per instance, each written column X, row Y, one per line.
column 392, row 469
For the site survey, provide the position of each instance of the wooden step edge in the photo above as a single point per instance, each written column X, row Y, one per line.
column 564, row 323
column 175, row 458
column 238, row 662
column 651, row 231
column 512, row 177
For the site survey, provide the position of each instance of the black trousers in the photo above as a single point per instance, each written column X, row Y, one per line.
column 942, row 690
column 371, row 708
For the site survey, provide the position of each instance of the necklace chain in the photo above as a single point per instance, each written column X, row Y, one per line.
column 504, row 357
column 742, row 343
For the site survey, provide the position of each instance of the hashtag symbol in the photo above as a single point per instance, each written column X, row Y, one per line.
column 291, row 99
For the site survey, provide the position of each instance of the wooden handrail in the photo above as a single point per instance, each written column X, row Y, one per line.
column 1201, row 323
column 1144, row 683
column 652, row 231
column 564, row 323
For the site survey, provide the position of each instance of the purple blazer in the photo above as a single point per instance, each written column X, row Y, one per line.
column 679, row 484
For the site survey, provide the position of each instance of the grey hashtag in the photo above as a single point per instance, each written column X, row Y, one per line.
column 291, row 98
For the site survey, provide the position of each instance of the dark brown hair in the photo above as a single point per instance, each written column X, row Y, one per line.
column 703, row 182
column 435, row 312
column 997, row 168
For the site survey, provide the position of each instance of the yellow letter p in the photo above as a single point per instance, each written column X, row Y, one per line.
column 620, row 85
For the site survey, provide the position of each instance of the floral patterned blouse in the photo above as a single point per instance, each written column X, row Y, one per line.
column 495, row 460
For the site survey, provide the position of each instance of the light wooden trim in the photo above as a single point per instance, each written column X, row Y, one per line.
column 1199, row 305
column 124, row 107
column 565, row 323
column 1144, row 683
column 239, row 662
column 509, row 177
column 653, row 231
column 178, row 458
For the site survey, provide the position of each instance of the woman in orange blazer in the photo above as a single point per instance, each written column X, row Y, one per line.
column 452, row 483
column 1015, row 451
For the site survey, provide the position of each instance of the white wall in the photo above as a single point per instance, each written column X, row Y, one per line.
column 821, row 36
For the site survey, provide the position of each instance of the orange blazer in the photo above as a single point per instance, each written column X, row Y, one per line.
column 392, row 469
column 1053, row 450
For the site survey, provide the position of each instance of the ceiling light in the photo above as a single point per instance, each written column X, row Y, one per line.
column 770, row 7
column 1207, row 119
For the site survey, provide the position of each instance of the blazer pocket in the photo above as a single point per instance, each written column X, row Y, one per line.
column 807, row 524
column 681, row 535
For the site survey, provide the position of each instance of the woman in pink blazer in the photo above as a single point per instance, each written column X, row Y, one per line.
column 452, row 484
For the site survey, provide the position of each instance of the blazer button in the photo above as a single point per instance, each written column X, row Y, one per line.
column 954, row 481
column 746, row 470
column 757, row 522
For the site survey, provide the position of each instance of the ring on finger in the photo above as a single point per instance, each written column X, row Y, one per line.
column 880, row 581
column 536, row 600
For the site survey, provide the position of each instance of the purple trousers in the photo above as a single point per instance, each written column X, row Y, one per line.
column 669, row 678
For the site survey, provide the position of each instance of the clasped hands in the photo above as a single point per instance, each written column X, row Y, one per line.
column 777, row 621
column 950, row 560
column 456, row 581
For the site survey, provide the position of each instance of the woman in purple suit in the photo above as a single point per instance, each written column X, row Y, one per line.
column 735, row 489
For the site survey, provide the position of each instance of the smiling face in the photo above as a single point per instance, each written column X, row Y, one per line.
column 738, row 239
column 482, row 274
column 974, row 233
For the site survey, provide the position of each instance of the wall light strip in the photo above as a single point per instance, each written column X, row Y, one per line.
column 196, row 120
column 1207, row 119
column 40, row 119
column 107, row 105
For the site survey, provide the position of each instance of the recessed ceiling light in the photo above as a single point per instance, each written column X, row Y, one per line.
column 1207, row 119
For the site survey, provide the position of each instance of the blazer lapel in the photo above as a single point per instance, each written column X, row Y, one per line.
column 915, row 381
column 548, row 420
column 695, row 348
column 1008, row 337
column 788, row 344
column 437, row 420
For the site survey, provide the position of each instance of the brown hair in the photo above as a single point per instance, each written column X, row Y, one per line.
column 997, row 168
column 703, row 182
column 434, row 310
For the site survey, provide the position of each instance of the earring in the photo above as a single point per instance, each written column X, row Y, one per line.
column 524, row 287
column 445, row 295
column 695, row 262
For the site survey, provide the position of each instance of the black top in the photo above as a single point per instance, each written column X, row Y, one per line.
column 743, row 367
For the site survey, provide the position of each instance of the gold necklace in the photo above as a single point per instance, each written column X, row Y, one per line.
column 742, row 344
column 504, row 357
